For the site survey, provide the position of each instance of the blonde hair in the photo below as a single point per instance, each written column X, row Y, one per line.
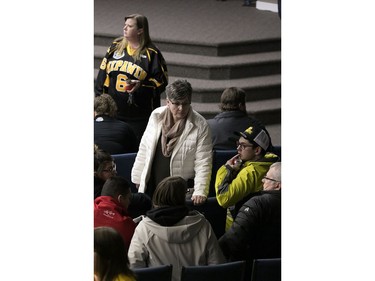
column 144, row 39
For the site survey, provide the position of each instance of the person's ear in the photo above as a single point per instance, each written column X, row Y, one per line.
column 140, row 31
column 119, row 198
column 258, row 150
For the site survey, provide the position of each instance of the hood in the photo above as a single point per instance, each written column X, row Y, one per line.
column 107, row 202
column 180, row 233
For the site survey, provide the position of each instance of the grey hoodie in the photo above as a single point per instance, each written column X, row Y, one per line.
column 189, row 242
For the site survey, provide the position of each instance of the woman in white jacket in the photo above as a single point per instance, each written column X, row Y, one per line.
column 176, row 142
column 170, row 234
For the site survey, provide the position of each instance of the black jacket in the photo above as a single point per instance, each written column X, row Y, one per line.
column 256, row 231
column 114, row 136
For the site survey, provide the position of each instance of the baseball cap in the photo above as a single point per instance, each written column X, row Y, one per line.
column 257, row 135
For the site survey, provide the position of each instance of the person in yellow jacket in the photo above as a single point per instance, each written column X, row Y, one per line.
column 242, row 175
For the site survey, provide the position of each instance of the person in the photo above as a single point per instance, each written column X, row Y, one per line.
column 233, row 117
column 134, row 73
column 171, row 234
column 111, row 262
column 256, row 231
column 110, row 209
column 243, row 173
column 177, row 142
column 111, row 134
column 104, row 168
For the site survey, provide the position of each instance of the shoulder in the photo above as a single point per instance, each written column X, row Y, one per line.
column 153, row 49
column 197, row 118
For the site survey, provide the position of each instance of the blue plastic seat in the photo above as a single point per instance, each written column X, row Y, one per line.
column 266, row 270
column 231, row 271
column 213, row 212
column 160, row 273
column 124, row 164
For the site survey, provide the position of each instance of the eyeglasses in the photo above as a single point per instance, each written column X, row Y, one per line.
column 111, row 169
column 182, row 104
column 243, row 145
column 265, row 178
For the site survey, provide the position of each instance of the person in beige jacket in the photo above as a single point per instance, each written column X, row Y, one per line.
column 176, row 142
column 171, row 234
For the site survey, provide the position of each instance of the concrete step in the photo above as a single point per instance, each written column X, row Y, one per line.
column 203, row 48
column 214, row 68
column 256, row 88
column 267, row 111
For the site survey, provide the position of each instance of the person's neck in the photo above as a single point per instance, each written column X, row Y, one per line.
column 134, row 44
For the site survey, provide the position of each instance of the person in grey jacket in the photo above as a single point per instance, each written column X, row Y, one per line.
column 171, row 234
column 177, row 142
column 232, row 118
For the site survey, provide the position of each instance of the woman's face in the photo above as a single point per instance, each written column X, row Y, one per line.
column 109, row 170
column 131, row 31
column 179, row 108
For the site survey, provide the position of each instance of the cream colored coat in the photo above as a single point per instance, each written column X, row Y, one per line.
column 191, row 158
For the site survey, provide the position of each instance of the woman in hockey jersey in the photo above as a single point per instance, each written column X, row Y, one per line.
column 134, row 73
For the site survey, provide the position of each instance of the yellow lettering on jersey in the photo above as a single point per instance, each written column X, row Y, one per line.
column 131, row 68
column 117, row 65
column 103, row 64
column 124, row 66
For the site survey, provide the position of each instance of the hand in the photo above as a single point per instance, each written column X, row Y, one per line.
column 198, row 199
column 137, row 84
column 232, row 162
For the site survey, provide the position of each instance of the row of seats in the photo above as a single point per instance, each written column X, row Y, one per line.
column 211, row 209
column 262, row 270
column 124, row 163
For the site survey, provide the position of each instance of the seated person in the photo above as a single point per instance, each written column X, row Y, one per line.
column 232, row 118
column 256, row 231
column 171, row 234
column 110, row 209
column 104, row 168
column 110, row 134
column 243, row 173
column 110, row 258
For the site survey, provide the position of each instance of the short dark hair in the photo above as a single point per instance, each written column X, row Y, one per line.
column 231, row 98
column 115, row 186
column 179, row 90
column 171, row 191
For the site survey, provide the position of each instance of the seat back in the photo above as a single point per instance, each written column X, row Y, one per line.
column 160, row 273
column 266, row 270
column 231, row 271
column 219, row 158
column 124, row 164
column 213, row 212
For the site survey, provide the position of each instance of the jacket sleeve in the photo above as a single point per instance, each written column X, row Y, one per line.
column 101, row 84
column 215, row 255
column 137, row 253
column 140, row 160
column 233, row 242
column 231, row 188
column 157, row 77
column 203, row 162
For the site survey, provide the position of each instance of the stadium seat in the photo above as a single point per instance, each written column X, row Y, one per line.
column 160, row 273
column 266, row 270
column 231, row 271
column 213, row 212
column 124, row 164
